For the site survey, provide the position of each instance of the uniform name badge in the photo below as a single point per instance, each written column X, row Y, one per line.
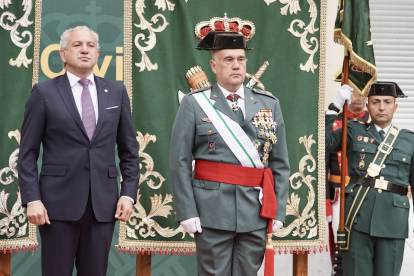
column 263, row 121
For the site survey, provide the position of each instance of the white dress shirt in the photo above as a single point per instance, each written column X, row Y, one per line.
column 77, row 92
column 386, row 129
column 240, row 101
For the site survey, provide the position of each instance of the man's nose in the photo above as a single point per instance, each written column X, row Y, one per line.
column 235, row 65
column 84, row 48
column 382, row 106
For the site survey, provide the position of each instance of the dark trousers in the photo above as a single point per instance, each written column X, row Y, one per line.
column 373, row 256
column 228, row 253
column 85, row 243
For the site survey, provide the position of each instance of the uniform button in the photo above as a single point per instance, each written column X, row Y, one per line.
column 404, row 159
column 339, row 154
column 340, row 164
column 202, row 185
column 352, row 191
column 335, row 124
column 404, row 204
column 363, row 150
column 334, row 272
column 379, row 191
column 336, row 259
column 209, row 132
column 383, row 166
column 335, row 265
column 86, row 169
column 336, row 252
column 381, row 177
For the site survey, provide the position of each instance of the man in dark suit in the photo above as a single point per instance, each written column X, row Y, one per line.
column 78, row 118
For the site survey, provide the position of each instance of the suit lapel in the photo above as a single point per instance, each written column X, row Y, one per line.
column 102, row 103
column 65, row 92
column 372, row 131
column 250, row 104
column 221, row 102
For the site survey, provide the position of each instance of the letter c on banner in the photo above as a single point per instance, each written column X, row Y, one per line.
column 44, row 61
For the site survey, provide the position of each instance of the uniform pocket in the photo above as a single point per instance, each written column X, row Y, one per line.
column 401, row 201
column 403, row 160
column 213, row 140
column 204, row 184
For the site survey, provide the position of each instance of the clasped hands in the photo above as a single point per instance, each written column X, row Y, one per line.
column 193, row 225
column 37, row 213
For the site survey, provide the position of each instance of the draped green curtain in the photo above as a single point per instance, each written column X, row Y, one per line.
column 19, row 60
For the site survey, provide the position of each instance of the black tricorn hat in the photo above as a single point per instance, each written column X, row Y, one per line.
column 215, row 40
column 383, row 88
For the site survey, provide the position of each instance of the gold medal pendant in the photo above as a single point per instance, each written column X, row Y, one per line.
column 361, row 165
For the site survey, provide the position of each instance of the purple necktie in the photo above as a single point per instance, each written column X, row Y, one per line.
column 88, row 113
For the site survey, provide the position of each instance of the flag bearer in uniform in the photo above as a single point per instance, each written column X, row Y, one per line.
column 240, row 184
column 333, row 171
column 380, row 158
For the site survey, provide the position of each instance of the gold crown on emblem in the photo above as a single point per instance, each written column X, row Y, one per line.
column 235, row 24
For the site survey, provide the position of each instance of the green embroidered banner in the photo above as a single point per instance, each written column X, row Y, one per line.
column 159, row 42
column 353, row 30
column 19, row 60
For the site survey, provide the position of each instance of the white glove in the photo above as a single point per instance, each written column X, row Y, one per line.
column 192, row 225
column 277, row 224
column 343, row 95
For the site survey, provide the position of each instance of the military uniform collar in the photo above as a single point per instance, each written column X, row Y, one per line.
column 386, row 129
column 352, row 115
column 239, row 91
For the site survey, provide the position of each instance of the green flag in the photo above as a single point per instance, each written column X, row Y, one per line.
column 19, row 62
column 353, row 30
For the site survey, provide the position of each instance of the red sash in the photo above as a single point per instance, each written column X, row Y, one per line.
column 244, row 176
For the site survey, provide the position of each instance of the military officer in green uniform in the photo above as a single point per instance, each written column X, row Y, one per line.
column 237, row 137
column 380, row 158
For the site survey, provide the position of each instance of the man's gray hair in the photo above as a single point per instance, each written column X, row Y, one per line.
column 64, row 39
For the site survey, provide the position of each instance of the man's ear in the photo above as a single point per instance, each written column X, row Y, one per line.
column 213, row 66
column 62, row 55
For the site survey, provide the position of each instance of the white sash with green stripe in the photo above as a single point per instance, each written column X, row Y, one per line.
column 231, row 132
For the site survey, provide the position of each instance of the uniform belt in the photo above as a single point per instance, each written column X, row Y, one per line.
column 380, row 184
column 337, row 178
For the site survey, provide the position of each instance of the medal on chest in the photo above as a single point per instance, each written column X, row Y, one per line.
column 361, row 165
column 263, row 121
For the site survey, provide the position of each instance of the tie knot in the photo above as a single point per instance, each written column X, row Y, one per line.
column 233, row 96
column 84, row 82
column 382, row 133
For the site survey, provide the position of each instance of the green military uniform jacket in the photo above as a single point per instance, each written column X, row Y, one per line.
column 219, row 205
column 382, row 214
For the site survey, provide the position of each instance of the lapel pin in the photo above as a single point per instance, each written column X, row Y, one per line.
column 215, row 95
column 251, row 98
column 106, row 90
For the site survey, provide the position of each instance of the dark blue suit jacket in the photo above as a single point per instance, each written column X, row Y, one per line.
column 71, row 163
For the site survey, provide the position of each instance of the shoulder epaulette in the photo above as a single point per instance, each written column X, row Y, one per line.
column 201, row 90
column 267, row 93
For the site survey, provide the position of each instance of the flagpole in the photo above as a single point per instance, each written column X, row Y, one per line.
column 343, row 148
